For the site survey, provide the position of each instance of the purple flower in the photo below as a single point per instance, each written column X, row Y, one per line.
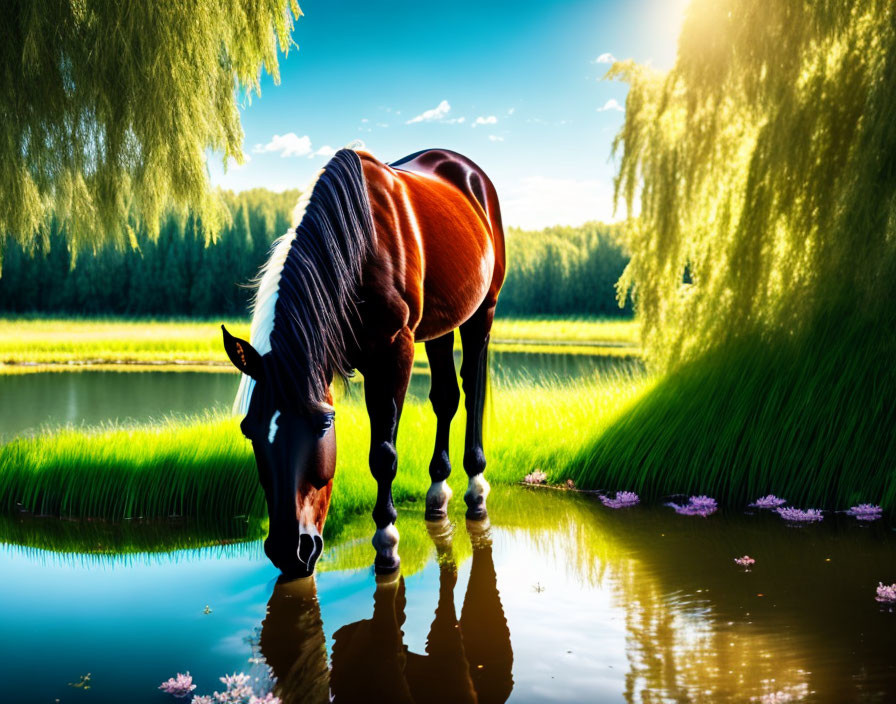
column 697, row 506
column 179, row 686
column 744, row 561
column 703, row 502
column 886, row 593
column 770, row 501
column 536, row 477
column 866, row 512
column 623, row 499
column 799, row 516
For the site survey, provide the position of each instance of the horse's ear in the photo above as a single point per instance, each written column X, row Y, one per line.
column 243, row 355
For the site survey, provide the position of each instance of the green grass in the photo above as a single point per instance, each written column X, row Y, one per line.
column 810, row 419
column 204, row 469
column 81, row 341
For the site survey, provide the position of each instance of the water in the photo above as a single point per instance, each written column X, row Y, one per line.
column 29, row 402
column 560, row 600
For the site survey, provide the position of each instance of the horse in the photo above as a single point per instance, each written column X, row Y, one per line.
column 380, row 256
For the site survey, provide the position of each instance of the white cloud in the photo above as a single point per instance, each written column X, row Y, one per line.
column 437, row 113
column 536, row 202
column 289, row 144
column 606, row 58
column 364, row 119
column 490, row 120
column 511, row 111
column 456, row 120
column 495, row 138
column 325, row 150
column 611, row 104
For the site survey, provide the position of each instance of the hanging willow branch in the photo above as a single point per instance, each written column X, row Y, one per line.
column 109, row 108
column 764, row 167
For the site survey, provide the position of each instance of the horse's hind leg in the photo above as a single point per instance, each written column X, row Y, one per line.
column 445, row 397
column 386, row 376
column 474, row 335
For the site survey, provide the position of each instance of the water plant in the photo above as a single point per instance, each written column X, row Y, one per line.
column 179, row 686
column 744, row 561
column 769, row 501
column 696, row 506
column 535, row 477
column 623, row 499
column 238, row 690
column 796, row 515
column 886, row 593
column 866, row 512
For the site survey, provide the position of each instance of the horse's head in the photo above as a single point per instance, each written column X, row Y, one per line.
column 295, row 451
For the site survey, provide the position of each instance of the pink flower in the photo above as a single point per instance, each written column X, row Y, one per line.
column 770, row 501
column 799, row 516
column 202, row 699
column 886, row 593
column 267, row 699
column 866, row 512
column 744, row 561
column 179, row 686
column 536, row 477
column 623, row 499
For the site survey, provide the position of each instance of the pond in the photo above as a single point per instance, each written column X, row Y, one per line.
column 31, row 401
column 561, row 599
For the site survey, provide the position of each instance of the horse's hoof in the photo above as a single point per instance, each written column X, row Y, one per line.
column 383, row 566
column 477, row 513
column 437, row 499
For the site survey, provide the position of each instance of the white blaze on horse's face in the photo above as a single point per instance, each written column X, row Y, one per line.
column 272, row 429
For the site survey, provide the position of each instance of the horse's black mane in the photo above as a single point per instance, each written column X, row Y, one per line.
column 318, row 286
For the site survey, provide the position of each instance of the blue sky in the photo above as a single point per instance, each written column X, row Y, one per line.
column 515, row 86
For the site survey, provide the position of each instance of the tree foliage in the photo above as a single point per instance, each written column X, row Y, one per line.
column 173, row 274
column 563, row 271
column 109, row 108
column 764, row 167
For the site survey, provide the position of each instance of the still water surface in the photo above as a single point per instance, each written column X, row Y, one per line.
column 560, row 599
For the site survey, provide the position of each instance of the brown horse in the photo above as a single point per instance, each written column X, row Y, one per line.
column 382, row 256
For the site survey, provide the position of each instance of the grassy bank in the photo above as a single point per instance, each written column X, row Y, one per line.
column 83, row 341
column 204, row 469
column 808, row 418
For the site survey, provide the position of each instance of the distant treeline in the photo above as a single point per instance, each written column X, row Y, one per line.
column 176, row 275
column 558, row 271
column 563, row 270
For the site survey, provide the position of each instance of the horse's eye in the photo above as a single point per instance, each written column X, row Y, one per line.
column 324, row 422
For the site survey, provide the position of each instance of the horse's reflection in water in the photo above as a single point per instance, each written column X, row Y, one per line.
column 467, row 659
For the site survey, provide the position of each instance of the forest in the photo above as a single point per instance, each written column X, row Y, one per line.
column 556, row 271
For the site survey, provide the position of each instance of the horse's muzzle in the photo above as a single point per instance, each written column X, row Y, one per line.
column 295, row 558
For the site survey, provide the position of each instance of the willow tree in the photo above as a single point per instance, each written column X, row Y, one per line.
column 109, row 108
column 764, row 168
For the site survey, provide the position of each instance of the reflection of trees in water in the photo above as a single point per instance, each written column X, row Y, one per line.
column 678, row 653
column 467, row 659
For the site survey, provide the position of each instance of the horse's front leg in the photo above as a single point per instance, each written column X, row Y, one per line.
column 387, row 372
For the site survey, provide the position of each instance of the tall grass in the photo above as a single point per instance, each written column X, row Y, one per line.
column 204, row 469
column 809, row 418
